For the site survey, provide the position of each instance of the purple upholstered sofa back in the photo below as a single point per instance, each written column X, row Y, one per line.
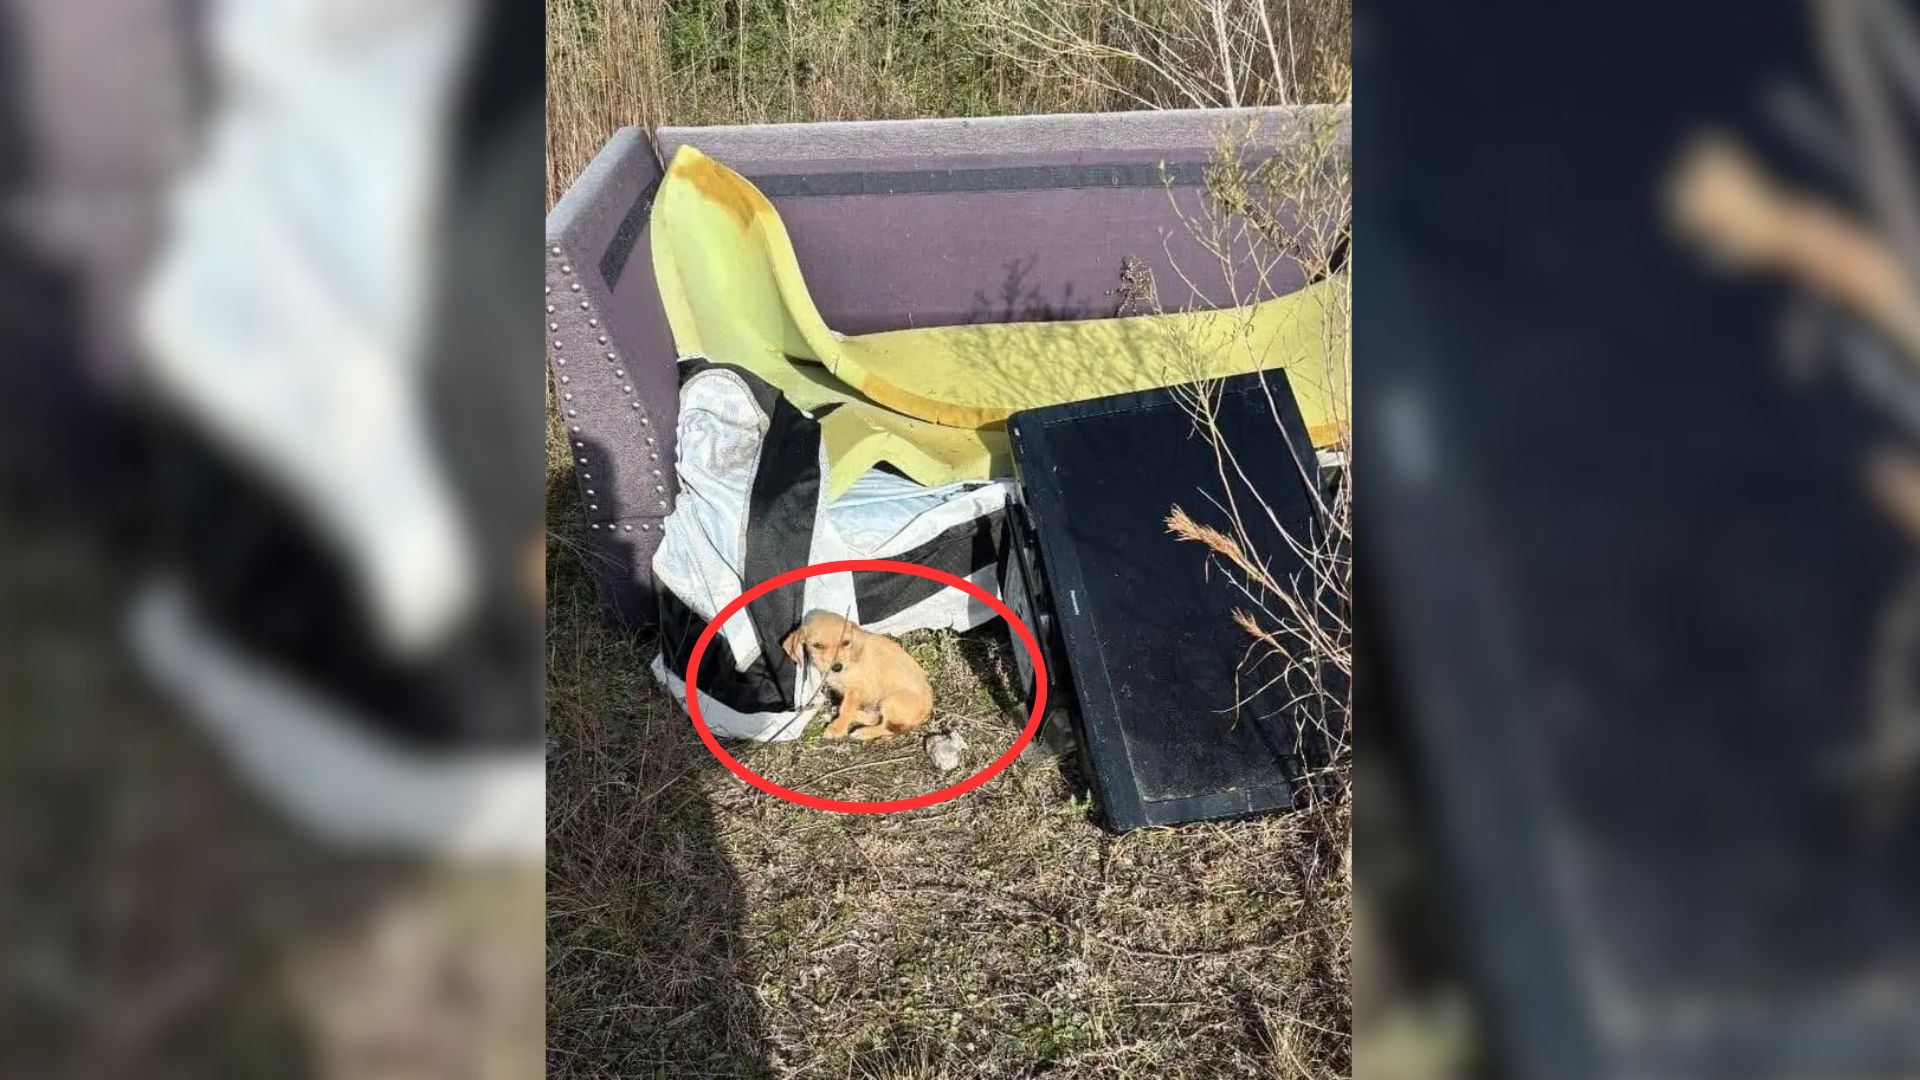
column 896, row 224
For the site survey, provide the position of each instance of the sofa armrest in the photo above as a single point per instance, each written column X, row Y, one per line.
column 614, row 366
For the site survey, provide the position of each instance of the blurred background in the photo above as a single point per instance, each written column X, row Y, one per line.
column 1638, row 355
column 271, row 768
column 1637, row 369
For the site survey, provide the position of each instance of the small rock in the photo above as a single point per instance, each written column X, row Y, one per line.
column 945, row 751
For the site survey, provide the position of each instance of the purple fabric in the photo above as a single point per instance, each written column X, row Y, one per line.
column 98, row 108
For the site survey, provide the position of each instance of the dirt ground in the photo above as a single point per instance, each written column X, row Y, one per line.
column 699, row 927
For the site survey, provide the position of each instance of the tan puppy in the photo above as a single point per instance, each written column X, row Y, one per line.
column 882, row 691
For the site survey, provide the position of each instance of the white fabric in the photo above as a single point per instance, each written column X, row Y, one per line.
column 701, row 559
column 287, row 312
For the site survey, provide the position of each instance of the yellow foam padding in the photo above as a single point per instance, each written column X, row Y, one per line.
column 933, row 401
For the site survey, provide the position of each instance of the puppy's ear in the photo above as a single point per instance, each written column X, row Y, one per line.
column 791, row 646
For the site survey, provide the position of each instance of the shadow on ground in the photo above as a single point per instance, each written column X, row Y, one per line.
column 647, row 974
column 988, row 652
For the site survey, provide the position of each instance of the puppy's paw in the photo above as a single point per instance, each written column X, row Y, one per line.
column 872, row 732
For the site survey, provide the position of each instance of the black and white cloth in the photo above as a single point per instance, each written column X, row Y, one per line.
column 753, row 505
column 345, row 421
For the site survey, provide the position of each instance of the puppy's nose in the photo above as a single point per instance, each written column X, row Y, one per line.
column 836, row 667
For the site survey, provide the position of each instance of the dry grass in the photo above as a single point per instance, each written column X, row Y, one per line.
column 1274, row 208
column 697, row 927
column 1858, row 256
column 612, row 63
column 1199, row 54
column 700, row 928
